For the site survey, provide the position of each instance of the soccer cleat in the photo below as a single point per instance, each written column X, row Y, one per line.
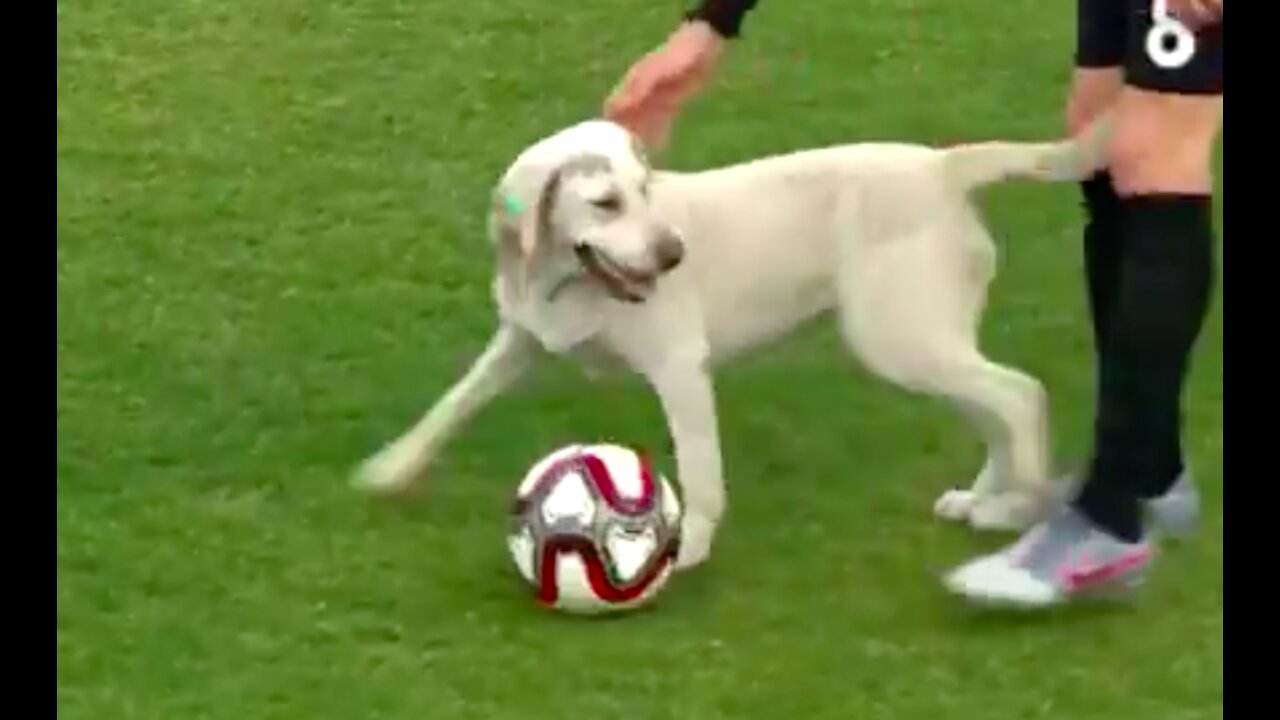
column 1061, row 559
column 1177, row 512
column 1173, row 514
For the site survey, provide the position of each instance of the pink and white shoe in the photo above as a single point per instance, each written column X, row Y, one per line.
column 1061, row 559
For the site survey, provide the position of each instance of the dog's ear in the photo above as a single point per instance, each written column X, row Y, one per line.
column 642, row 156
column 518, row 226
column 521, row 230
column 638, row 149
column 535, row 223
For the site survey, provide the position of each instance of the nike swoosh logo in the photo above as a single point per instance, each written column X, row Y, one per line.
column 1085, row 574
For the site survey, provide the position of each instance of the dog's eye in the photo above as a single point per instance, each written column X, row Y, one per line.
column 608, row 203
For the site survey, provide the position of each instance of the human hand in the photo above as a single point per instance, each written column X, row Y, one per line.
column 650, row 94
column 1195, row 14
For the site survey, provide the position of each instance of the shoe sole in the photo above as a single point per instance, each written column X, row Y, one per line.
column 1116, row 590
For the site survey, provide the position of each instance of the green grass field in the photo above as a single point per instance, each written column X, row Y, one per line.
column 271, row 259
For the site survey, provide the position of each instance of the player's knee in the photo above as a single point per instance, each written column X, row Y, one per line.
column 1150, row 155
column 1163, row 305
column 1164, row 143
column 1167, row 279
column 1145, row 165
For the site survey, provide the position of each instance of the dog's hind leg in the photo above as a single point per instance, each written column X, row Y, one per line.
column 397, row 466
column 1010, row 409
column 913, row 319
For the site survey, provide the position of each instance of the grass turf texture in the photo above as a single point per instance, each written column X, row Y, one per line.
column 270, row 259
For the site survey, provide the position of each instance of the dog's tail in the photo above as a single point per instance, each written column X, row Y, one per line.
column 973, row 165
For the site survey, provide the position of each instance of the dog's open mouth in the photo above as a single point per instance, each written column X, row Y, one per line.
column 621, row 281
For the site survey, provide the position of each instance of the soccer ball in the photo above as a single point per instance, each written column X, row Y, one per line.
column 594, row 529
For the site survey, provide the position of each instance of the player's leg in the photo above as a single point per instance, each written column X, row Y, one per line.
column 1096, row 85
column 1167, row 120
column 1161, row 159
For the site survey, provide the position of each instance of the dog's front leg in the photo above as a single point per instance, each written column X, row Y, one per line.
column 688, row 400
column 398, row 465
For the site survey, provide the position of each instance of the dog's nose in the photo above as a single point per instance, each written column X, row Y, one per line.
column 669, row 252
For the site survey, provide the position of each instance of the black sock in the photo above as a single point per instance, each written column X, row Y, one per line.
column 1104, row 257
column 1102, row 250
column 1155, row 318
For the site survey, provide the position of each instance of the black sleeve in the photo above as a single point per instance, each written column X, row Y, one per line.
column 725, row 16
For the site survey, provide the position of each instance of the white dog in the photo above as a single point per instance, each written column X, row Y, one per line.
column 600, row 257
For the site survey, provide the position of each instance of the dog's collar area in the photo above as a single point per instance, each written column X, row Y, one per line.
column 563, row 284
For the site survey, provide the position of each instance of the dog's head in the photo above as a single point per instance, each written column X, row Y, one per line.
column 578, row 201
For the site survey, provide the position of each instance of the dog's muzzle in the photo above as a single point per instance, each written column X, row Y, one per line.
column 620, row 282
column 668, row 252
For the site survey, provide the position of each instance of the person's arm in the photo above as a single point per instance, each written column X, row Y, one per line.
column 647, row 99
column 724, row 16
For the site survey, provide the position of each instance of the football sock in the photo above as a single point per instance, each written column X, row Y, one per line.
column 1155, row 317
column 1102, row 250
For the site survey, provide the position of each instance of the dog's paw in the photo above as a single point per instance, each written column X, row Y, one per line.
column 691, row 556
column 955, row 505
column 1003, row 512
column 393, row 471
column 695, row 541
column 1006, row 512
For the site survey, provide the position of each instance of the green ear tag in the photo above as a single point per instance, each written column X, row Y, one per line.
column 513, row 205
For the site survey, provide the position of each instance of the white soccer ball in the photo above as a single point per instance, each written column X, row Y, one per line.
column 594, row 529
